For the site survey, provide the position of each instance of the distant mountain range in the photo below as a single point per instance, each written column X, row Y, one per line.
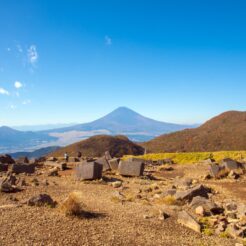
column 35, row 154
column 122, row 121
column 13, row 140
column 224, row 132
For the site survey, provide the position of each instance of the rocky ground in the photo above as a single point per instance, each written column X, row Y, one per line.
column 122, row 211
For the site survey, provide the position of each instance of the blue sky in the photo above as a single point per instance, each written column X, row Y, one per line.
column 74, row 61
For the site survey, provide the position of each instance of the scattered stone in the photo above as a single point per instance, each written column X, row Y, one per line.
column 41, row 200
column 59, row 165
column 229, row 164
column 53, row 172
column 183, row 183
column 22, row 160
column 188, row 195
column 200, row 211
column 88, row 170
column 51, row 159
column 6, row 159
column 163, row 215
column 3, row 167
column 131, row 168
column 214, row 170
column 186, row 219
column 7, row 184
column 117, row 184
column 23, row 168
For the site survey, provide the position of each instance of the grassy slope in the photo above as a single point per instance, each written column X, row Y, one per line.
column 189, row 158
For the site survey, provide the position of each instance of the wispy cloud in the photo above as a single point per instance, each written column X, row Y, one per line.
column 32, row 54
column 13, row 106
column 26, row 102
column 19, row 48
column 18, row 84
column 3, row 91
column 108, row 40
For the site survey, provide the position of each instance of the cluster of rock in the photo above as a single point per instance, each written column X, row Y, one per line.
column 227, row 168
column 194, row 206
column 93, row 169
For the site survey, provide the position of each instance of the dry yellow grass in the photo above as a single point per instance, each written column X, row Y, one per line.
column 73, row 206
column 194, row 157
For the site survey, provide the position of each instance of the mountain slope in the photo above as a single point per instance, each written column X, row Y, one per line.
column 126, row 121
column 224, row 132
column 97, row 145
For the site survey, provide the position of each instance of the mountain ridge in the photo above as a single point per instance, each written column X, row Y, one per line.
column 226, row 131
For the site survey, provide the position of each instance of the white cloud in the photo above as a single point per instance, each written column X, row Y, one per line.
column 3, row 91
column 8, row 49
column 13, row 106
column 32, row 54
column 19, row 48
column 26, row 102
column 108, row 40
column 18, row 84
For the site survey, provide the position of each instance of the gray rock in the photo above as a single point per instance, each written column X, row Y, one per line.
column 183, row 183
column 131, row 168
column 169, row 192
column 3, row 167
column 229, row 164
column 186, row 219
column 6, row 159
column 41, row 200
column 88, row 171
column 23, row 168
column 7, row 184
column 108, row 156
column 103, row 161
column 214, row 170
column 114, row 164
column 188, row 195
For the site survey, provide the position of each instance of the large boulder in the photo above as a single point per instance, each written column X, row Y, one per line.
column 23, row 168
column 187, row 195
column 88, row 171
column 131, row 168
column 6, row 159
column 229, row 164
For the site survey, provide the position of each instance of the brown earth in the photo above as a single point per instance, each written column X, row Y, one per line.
column 114, row 222
column 97, row 145
column 224, row 132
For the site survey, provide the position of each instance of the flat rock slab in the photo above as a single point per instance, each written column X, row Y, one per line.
column 214, row 170
column 188, row 195
column 23, row 168
column 131, row 168
column 114, row 163
column 104, row 162
column 229, row 164
column 185, row 219
column 59, row 165
column 88, row 171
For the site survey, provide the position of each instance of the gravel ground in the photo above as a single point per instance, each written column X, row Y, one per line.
column 113, row 223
